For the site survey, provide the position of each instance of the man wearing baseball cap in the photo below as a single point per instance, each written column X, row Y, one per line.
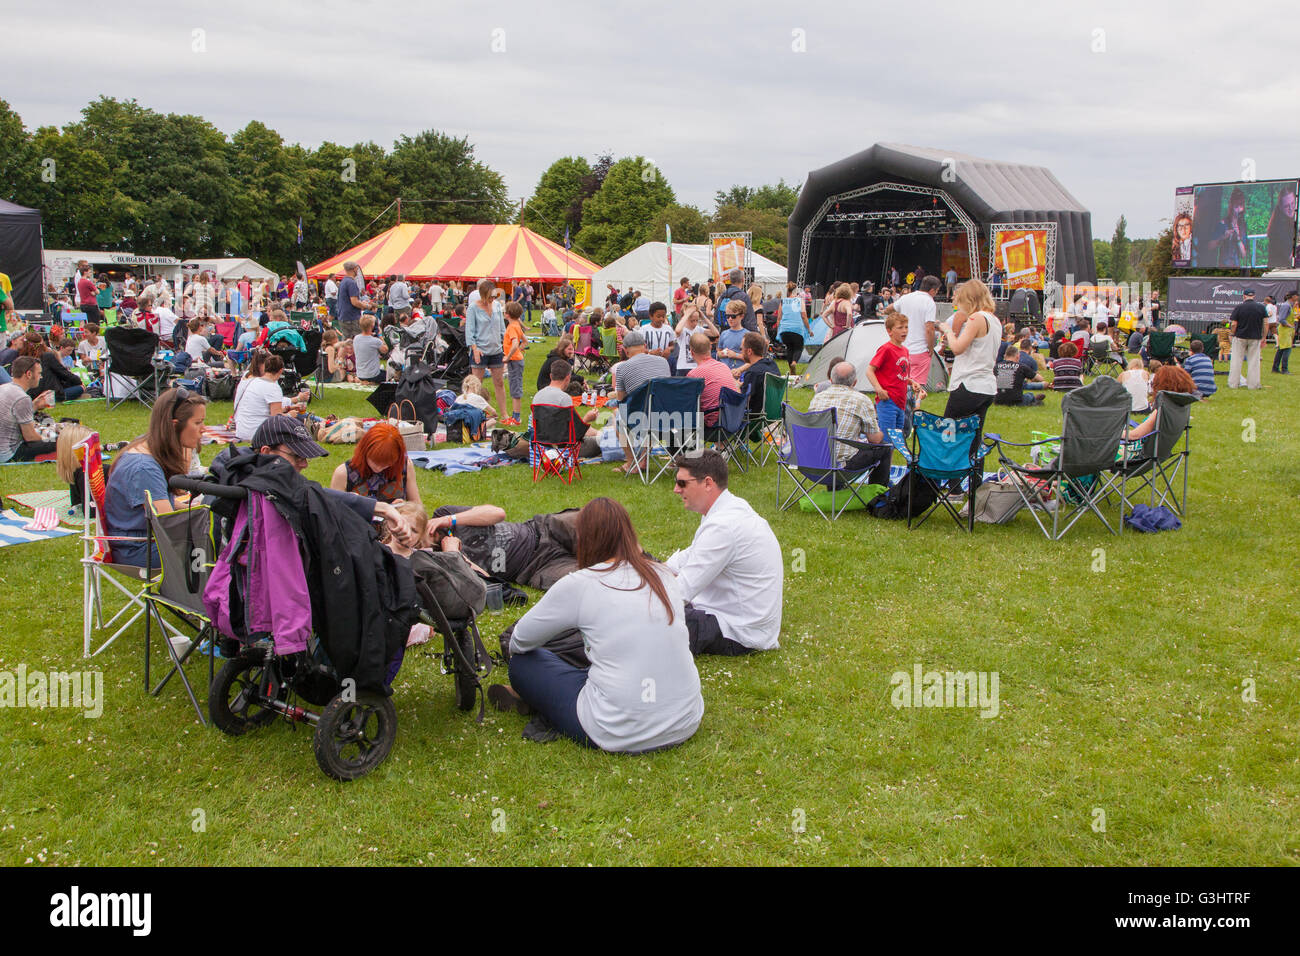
column 1249, row 325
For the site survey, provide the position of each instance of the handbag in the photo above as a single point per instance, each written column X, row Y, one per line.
column 410, row 428
column 996, row 502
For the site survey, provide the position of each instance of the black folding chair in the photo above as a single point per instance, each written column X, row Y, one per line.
column 1160, row 459
column 130, row 366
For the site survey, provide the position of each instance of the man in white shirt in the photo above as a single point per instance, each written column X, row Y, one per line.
column 331, row 296
column 732, row 575
column 166, row 322
column 920, row 310
column 437, row 296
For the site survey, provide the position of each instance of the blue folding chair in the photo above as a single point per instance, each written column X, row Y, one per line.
column 944, row 450
column 730, row 436
column 810, row 462
column 663, row 414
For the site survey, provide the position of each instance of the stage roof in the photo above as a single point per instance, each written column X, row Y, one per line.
column 990, row 191
column 437, row 251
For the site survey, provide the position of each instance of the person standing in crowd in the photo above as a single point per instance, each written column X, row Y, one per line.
column 793, row 328
column 731, row 575
column 331, row 297
column 951, row 278
column 512, row 347
column 437, row 296
column 732, row 337
column 399, row 299
column 1247, row 326
column 87, row 294
column 1287, row 315
column 202, row 294
column 920, row 310
column 351, row 300
column 485, row 335
column 973, row 335
column 660, row 338
column 680, row 295
column 691, row 323
column 736, row 293
column 838, row 312
column 888, row 373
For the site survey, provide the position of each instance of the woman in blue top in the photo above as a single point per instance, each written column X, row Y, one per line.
column 145, row 465
column 484, row 334
column 794, row 326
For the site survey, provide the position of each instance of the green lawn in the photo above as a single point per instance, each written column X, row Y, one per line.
column 1121, row 692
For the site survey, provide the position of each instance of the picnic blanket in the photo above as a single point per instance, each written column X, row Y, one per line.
column 452, row 461
column 11, row 530
column 56, row 499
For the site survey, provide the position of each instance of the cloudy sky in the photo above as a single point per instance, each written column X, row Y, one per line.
column 1122, row 101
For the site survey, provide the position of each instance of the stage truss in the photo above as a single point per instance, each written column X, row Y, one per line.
column 823, row 215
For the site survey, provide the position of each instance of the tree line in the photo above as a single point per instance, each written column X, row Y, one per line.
column 126, row 178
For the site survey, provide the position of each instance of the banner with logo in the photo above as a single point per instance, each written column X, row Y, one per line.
column 728, row 254
column 1200, row 303
column 1022, row 255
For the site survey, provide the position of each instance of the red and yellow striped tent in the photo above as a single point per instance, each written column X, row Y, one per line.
column 433, row 251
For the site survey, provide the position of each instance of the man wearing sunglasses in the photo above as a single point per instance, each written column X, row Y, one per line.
column 732, row 575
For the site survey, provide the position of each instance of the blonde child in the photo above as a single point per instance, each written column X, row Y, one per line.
column 513, row 345
column 1137, row 380
column 67, row 466
column 471, row 393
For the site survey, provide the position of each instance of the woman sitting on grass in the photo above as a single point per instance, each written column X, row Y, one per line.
column 144, row 466
column 379, row 467
column 642, row 691
column 1168, row 378
column 1067, row 371
column 564, row 350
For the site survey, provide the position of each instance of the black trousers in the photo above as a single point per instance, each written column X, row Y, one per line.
column 877, row 458
column 706, row 635
column 29, row 450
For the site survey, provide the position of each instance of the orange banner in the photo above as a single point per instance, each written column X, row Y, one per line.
column 1022, row 254
column 728, row 254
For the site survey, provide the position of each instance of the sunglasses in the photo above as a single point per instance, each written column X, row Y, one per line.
column 683, row 482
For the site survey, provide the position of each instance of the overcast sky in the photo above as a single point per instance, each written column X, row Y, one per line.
column 1122, row 101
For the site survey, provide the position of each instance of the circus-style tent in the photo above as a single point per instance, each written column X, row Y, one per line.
column 439, row 251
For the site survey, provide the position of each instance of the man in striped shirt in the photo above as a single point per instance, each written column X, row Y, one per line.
column 1201, row 368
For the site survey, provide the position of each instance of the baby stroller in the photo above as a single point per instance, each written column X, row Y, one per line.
column 278, row 671
column 451, row 362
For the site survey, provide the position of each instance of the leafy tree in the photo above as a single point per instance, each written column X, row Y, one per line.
column 689, row 225
column 348, row 187
column 557, row 201
column 80, row 209
column 1101, row 253
column 435, row 166
column 1160, row 262
column 270, row 193
column 738, row 196
column 1119, row 251
column 780, row 197
column 20, row 168
column 613, row 220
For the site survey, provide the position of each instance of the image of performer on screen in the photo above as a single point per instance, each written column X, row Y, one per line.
column 1281, row 230
column 1229, row 239
column 1182, row 237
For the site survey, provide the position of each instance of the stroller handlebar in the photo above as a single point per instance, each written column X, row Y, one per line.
column 198, row 487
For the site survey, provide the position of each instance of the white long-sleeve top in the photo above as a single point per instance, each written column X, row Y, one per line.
column 733, row 570
column 642, row 691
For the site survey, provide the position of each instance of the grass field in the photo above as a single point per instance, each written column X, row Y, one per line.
column 1123, row 734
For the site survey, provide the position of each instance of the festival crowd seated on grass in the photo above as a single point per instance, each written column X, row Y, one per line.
column 1067, row 371
column 1013, row 375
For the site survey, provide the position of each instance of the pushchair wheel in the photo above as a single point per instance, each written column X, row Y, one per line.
column 237, row 697
column 353, row 737
column 466, row 680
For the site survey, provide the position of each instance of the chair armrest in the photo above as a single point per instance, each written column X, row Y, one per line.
column 998, row 440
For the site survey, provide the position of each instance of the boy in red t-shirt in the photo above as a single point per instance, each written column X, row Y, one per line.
column 887, row 373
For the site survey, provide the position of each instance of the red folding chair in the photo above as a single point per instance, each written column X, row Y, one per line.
column 554, row 446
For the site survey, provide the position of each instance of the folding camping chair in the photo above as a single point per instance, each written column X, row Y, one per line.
column 130, row 368
column 553, row 449
column 663, row 413
column 1209, row 341
column 730, row 436
column 1102, row 358
column 586, row 355
column 186, row 556
column 1160, row 345
column 1159, row 460
column 1084, row 474
column 765, row 426
column 811, row 464
column 943, row 450
column 609, row 346
column 97, row 566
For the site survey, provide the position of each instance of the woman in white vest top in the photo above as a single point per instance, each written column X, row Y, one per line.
column 973, row 335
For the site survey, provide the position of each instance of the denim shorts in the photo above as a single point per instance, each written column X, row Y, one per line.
column 489, row 361
column 515, row 371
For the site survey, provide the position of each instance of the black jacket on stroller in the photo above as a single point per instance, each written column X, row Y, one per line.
column 363, row 598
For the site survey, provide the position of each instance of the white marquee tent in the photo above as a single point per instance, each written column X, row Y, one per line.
column 646, row 268
column 235, row 269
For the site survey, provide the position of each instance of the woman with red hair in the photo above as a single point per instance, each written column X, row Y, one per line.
column 1168, row 378
column 379, row 468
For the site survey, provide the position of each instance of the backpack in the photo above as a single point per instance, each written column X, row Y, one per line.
column 418, row 386
column 897, row 504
